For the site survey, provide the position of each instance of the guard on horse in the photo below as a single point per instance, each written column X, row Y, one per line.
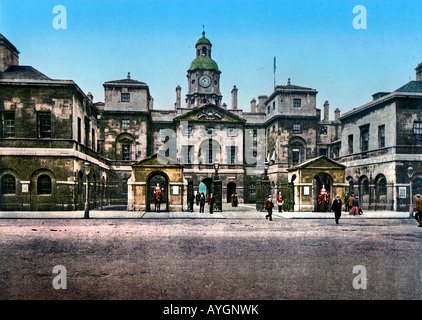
column 323, row 200
column 158, row 196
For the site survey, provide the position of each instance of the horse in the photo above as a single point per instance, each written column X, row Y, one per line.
column 158, row 196
column 323, row 201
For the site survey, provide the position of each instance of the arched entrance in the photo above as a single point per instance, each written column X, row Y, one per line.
column 205, row 186
column 320, row 180
column 162, row 179
column 231, row 188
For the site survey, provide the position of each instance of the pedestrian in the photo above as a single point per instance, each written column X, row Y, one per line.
column 280, row 202
column 201, row 202
column 355, row 209
column 269, row 207
column 211, row 201
column 336, row 207
column 197, row 198
column 418, row 208
column 350, row 202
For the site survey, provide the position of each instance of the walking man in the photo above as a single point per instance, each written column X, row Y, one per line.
column 211, row 201
column 202, row 202
column 269, row 207
column 336, row 207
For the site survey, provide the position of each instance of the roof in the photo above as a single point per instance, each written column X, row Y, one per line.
column 6, row 42
column 412, row 86
column 410, row 89
column 318, row 161
column 23, row 72
column 128, row 82
column 204, row 63
column 203, row 40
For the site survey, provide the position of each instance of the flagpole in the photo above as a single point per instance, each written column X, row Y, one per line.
column 274, row 70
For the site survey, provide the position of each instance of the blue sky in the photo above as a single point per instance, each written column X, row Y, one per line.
column 314, row 42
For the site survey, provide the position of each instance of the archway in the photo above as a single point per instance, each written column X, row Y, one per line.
column 231, row 188
column 320, row 180
column 162, row 179
column 205, row 186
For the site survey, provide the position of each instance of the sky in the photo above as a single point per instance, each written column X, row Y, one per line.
column 316, row 45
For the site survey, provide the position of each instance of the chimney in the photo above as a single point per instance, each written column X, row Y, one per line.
column 326, row 111
column 419, row 72
column 9, row 55
column 90, row 96
column 253, row 105
column 151, row 103
column 224, row 106
column 261, row 103
column 337, row 114
column 178, row 97
column 234, row 98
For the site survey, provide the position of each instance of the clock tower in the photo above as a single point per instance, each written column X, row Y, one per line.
column 203, row 77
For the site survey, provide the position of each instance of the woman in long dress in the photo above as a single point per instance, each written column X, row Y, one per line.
column 355, row 209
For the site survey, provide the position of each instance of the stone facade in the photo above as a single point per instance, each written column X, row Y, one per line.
column 52, row 133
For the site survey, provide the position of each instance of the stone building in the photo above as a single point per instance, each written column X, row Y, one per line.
column 54, row 139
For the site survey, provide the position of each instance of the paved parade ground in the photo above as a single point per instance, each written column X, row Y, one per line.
column 229, row 256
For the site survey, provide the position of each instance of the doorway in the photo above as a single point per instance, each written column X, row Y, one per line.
column 160, row 178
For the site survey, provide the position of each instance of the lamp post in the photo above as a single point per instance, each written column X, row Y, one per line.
column 216, row 187
column 410, row 173
column 87, row 170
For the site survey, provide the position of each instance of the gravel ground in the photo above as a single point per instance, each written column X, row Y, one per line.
column 206, row 259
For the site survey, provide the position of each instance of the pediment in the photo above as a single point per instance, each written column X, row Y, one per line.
column 210, row 113
column 319, row 163
column 157, row 160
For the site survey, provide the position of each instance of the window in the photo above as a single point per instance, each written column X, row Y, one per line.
column 190, row 154
column 8, row 124
column 125, row 151
column 252, row 189
column 323, row 130
column 210, row 151
column 273, row 105
column 296, row 127
column 79, row 130
column 93, row 139
column 365, row 187
column 323, row 152
column 8, row 184
column 350, row 143
column 297, row 103
column 125, row 123
column 268, row 109
column 188, row 130
column 162, row 135
column 87, row 125
column 44, row 124
column 381, row 136
column 364, row 138
column 125, row 97
column 44, row 184
column 232, row 155
column 231, row 132
column 417, row 132
column 295, row 156
column 382, row 187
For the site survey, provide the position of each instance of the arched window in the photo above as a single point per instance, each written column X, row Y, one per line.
column 252, row 188
column 381, row 186
column 44, row 185
column 8, row 184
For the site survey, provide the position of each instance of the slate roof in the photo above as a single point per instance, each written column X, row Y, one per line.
column 412, row 86
column 23, row 72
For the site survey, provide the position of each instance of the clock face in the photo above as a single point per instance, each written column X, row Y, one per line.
column 205, row 81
